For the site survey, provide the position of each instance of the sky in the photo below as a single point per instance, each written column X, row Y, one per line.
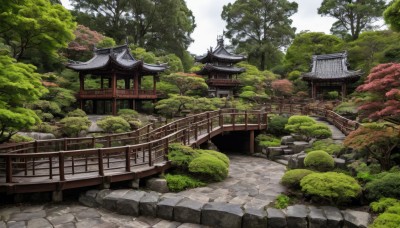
column 209, row 23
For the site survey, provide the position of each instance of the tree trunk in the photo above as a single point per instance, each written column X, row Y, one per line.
column 262, row 62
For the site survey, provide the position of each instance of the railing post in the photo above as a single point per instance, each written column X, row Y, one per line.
column 51, row 167
column 108, row 141
column 195, row 132
column 266, row 119
column 9, row 170
column 259, row 121
column 61, row 165
column 246, row 120
column 166, row 149
column 36, row 146
column 128, row 159
column 65, row 144
column 233, row 120
column 208, row 123
column 184, row 136
column 93, row 142
column 100, row 161
column 150, row 156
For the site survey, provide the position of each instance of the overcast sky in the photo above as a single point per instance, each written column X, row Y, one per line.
column 209, row 22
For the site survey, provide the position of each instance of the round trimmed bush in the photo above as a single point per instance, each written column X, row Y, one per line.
column 217, row 154
column 177, row 183
column 209, row 168
column 319, row 160
column 72, row 126
column 336, row 187
column 388, row 185
column 77, row 113
column 386, row 220
column 114, row 124
column 293, row 177
column 181, row 155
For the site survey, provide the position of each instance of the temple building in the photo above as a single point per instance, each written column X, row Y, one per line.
column 118, row 81
column 221, row 74
column 329, row 73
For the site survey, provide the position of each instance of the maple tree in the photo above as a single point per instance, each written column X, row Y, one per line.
column 282, row 87
column 383, row 89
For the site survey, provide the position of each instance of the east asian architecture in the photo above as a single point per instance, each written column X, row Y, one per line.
column 221, row 74
column 118, row 76
column 329, row 73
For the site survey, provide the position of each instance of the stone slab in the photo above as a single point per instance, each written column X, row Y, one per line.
column 255, row 218
column 334, row 217
column 188, row 211
column 222, row 215
column 165, row 208
column 128, row 204
column 276, row 218
column 110, row 201
column 297, row 216
column 356, row 219
column 89, row 198
column 148, row 204
column 317, row 218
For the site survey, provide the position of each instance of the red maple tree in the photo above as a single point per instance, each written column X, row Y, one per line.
column 282, row 87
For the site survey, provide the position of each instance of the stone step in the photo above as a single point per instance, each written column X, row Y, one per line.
column 288, row 151
column 282, row 161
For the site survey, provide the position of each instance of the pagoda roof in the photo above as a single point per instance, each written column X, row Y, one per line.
column 118, row 58
column 220, row 54
column 330, row 67
column 226, row 69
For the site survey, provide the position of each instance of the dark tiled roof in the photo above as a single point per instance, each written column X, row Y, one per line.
column 116, row 57
column 331, row 67
column 220, row 54
column 226, row 69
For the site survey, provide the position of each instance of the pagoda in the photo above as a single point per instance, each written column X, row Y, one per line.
column 329, row 73
column 119, row 76
column 221, row 74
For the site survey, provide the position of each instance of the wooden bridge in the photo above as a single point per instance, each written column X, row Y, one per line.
column 59, row 164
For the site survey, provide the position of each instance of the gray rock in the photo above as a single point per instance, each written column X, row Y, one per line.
column 3, row 224
column 334, row 217
column 316, row 218
column 188, row 211
column 222, row 215
column 38, row 135
column 101, row 194
column 61, row 219
column 297, row 216
column 296, row 161
column 13, row 224
column 98, row 223
column 166, row 224
column 276, row 218
column 356, row 219
column 39, row 223
column 299, row 146
column 66, row 225
column 287, row 140
column 89, row 213
column 274, row 151
column 148, row 204
column 157, row 185
column 255, row 218
column 165, row 208
column 24, row 216
column 340, row 163
column 128, row 204
column 110, row 201
column 89, row 198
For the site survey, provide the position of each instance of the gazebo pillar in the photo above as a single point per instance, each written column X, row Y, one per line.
column 154, row 84
column 136, row 83
column 344, row 90
column 81, row 82
column 114, row 92
column 313, row 90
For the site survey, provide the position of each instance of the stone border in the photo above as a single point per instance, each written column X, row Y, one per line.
column 217, row 214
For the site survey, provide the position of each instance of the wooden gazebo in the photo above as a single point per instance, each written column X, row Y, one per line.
column 119, row 75
column 329, row 73
column 220, row 70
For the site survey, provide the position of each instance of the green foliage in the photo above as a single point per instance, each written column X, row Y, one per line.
column 327, row 145
column 387, row 185
column 77, row 113
column 386, row 220
column 106, row 42
column 292, row 178
column 173, row 106
column 267, row 140
column 383, row 204
column 186, row 83
column 319, row 160
column 335, row 187
column 180, row 155
column 276, row 125
column 131, row 116
column 113, row 124
column 282, row 201
column 392, row 15
column 17, row 138
column 332, row 95
column 72, row 126
column 44, row 128
column 177, row 183
column 346, row 108
column 174, row 63
column 216, row 154
column 307, row 127
column 209, row 168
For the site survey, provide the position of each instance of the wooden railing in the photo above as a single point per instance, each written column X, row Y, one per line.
column 107, row 93
column 228, row 82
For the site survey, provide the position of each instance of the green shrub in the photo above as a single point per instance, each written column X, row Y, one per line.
column 17, row 138
column 385, row 185
column 77, row 113
column 307, row 127
column 267, row 140
column 319, row 160
column 332, row 95
column 327, row 145
column 128, row 112
column 131, row 116
column 113, row 124
column 217, row 154
column 282, row 201
column 386, row 220
column 71, row 126
column 293, row 177
column 276, row 125
column 177, row 183
column 44, row 128
column 395, row 209
column 383, row 204
column 209, row 168
column 335, row 187
column 180, row 155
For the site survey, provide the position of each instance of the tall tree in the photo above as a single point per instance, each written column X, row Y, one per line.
column 392, row 15
column 259, row 26
column 353, row 16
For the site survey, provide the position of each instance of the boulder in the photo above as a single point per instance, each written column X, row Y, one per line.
column 297, row 216
column 101, row 194
column 340, row 163
column 148, row 204
column 110, row 201
column 38, row 135
column 299, row 146
column 165, row 208
column 157, row 185
column 287, row 140
column 333, row 216
column 89, row 198
column 274, row 151
column 276, row 218
column 188, row 211
column 356, row 219
column 316, row 218
column 255, row 218
column 296, row 161
column 222, row 215
column 128, row 204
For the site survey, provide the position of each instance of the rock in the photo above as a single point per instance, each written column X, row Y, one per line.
column 66, row 225
column 128, row 204
column 148, row 204
column 255, row 218
column 101, row 194
column 316, row 218
column 157, row 185
column 296, row 161
column 274, row 151
column 38, row 135
column 211, row 146
column 222, row 215
column 3, row 224
column 276, row 218
column 61, row 219
column 89, row 213
column 39, row 223
column 95, row 223
column 24, row 216
column 353, row 219
column 287, row 140
column 334, row 217
column 188, row 211
column 297, row 216
column 165, row 208
column 89, row 198
column 299, row 146
column 13, row 224
column 340, row 163
column 110, row 201
column 166, row 224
